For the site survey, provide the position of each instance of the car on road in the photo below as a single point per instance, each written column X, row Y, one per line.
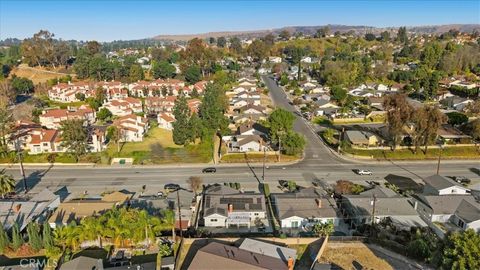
column 363, row 172
column 209, row 170
column 461, row 179
column 171, row 187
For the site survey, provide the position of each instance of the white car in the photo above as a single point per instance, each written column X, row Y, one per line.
column 364, row 172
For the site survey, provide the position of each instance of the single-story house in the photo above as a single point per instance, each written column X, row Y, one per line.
column 439, row 185
column 362, row 138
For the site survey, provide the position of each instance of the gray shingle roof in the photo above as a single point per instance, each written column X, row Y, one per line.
column 468, row 211
column 444, row 204
column 439, row 182
column 396, row 206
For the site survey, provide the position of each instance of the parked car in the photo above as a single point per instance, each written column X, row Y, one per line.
column 461, row 179
column 171, row 187
column 363, row 172
column 283, row 183
column 209, row 170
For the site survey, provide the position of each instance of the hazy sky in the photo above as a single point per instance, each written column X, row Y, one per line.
column 110, row 20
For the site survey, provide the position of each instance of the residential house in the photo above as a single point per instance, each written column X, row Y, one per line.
column 165, row 120
column 44, row 141
column 439, row 208
column 216, row 256
column 452, row 135
column 252, row 129
column 132, row 127
column 154, row 105
column 439, row 185
column 227, row 207
column 362, row 138
column 244, row 143
column 251, row 109
column 358, row 209
column 304, row 208
column 126, row 106
column 54, row 117
column 467, row 216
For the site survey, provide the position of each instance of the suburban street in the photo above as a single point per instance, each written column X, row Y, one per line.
column 319, row 163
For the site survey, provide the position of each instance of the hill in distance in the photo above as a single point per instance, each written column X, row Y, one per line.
column 310, row 30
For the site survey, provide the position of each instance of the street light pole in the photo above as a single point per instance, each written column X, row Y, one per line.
column 439, row 158
column 179, row 215
column 22, row 171
column 264, row 157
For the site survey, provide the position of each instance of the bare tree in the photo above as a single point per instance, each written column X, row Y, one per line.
column 195, row 183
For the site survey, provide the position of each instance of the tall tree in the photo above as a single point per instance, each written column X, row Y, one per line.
column 293, row 143
column 4, row 240
column 136, row 73
column 236, row 45
column 399, row 112
column 22, row 85
column 7, row 183
column 47, row 236
column 181, row 128
column 93, row 47
column 221, row 42
column 74, row 137
column 114, row 134
column 285, row 34
column 5, row 128
column 192, row 74
column 17, row 239
column 339, row 94
column 427, row 121
column 462, row 250
column 195, row 183
column 213, row 108
column 34, row 238
column 258, row 50
column 322, row 32
column 163, row 69
column 402, row 35
column 323, row 228
column 280, row 122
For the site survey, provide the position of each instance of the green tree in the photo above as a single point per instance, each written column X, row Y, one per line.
column 164, row 250
column 285, row 34
column 4, row 240
column 473, row 128
column 323, row 229
column 74, row 137
column 193, row 74
column 385, row 36
column 47, row 236
column 418, row 249
column 22, row 85
column 213, row 107
column 80, row 96
column 34, row 238
column 181, row 128
column 7, row 183
column 104, row 114
column 370, row 37
column 236, row 45
column 221, row 42
column 163, row 69
column 427, row 121
column 457, row 118
column 114, row 134
column 339, row 94
column 258, row 50
column 136, row 73
column 17, row 239
column 280, row 121
column 462, row 251
column 402, row 35
column 293, row 143
column 322, row 32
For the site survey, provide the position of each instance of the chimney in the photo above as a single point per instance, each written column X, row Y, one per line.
column 319, row 202
column 230, row 208
column 290, row 263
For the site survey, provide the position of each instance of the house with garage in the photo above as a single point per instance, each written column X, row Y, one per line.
column 244, row 143
column 304, row 208
column 360, row 138
column 439, row 185
column 165, row 120
column 227, row 207
column 252, row 129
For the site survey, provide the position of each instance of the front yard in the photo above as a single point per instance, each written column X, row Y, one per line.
column 158, row 147
column 256, row 158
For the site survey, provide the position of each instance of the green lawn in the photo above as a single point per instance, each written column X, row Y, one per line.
column 255, row 157
column 158, row 148
column 467, row 152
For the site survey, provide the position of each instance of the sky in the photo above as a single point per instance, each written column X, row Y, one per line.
column 127, row 20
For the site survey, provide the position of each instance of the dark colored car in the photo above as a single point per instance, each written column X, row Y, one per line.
column 171, row 187
column 283, row 183
column 209, row 170
column 461, row 179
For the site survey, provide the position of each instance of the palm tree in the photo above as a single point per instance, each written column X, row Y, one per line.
column 92, row 230
column 7, row 183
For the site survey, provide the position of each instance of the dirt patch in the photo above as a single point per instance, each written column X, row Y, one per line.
column 38, row 75
column 352, row 256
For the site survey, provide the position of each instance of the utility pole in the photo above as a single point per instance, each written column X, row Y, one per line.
column 279, row 147
column 374, row 201
column 439, row 158
column 22, row 171
column 264, row 158
column 179, row 214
